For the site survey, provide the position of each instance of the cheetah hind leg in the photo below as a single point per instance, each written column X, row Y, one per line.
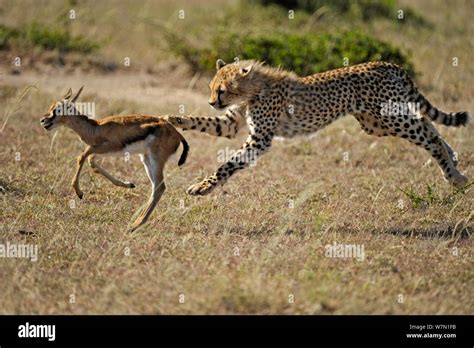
column 451, row 153
column 427, row 138
column 371, row 125
column 374, row 126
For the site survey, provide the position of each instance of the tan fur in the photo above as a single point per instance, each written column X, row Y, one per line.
column 154, row 139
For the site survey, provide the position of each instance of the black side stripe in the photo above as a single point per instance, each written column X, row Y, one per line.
column 139, row 137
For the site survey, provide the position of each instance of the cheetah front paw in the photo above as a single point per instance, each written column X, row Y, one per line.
column 200, row 189
column 179, row 121
column 458, row 180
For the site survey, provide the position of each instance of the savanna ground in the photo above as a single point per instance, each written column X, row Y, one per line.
column 256, row 245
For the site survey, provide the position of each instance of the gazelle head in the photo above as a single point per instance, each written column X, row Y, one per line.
column 60, row 110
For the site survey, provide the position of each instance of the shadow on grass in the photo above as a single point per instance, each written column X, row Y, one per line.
column 441, row 232
column 9, row 188
column 445, row 232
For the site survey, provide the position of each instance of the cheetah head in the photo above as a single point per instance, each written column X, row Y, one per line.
column 232, row 84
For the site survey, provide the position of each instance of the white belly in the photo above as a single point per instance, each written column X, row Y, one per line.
column 136, row 148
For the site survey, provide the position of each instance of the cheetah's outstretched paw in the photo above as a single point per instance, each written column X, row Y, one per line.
column 458, row 180
column 179, row 121
column 202, row 188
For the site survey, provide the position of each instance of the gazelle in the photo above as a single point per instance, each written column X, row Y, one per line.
column 154, row 139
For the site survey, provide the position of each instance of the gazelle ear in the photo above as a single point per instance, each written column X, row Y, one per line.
column 77, row 95
column 219, row 64
column 245, row 71
column 68, row 94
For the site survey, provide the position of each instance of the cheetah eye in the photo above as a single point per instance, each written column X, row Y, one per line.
column 220, row 91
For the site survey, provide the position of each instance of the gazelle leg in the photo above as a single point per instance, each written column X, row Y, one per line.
column 154, row 169
column 80, row 162
column 99, row 170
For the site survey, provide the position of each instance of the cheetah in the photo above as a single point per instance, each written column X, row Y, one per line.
column 275, row 102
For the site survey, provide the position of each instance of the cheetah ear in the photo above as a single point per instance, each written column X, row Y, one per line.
column 245, row 71
column 219, row 64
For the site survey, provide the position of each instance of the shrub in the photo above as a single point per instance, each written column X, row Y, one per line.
column 52, row 39
column 304, row 54
column 361, row 9
column 6, row 34
column 46, row 38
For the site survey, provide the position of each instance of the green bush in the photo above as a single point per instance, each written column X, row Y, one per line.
column 61, row 40
column 46, row 38
column 362, row 9
column 6, row 34
column 304, row 54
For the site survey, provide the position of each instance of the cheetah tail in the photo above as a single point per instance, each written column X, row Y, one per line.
column 454, row 119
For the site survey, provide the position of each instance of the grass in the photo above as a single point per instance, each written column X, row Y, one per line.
column 244, row 249
column 225, row 253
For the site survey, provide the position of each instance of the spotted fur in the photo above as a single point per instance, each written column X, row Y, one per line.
column 381, row 96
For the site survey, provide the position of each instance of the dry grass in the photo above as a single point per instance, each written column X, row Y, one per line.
column 242, row 249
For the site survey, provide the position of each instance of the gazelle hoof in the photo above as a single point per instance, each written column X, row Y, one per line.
column 134, row 227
